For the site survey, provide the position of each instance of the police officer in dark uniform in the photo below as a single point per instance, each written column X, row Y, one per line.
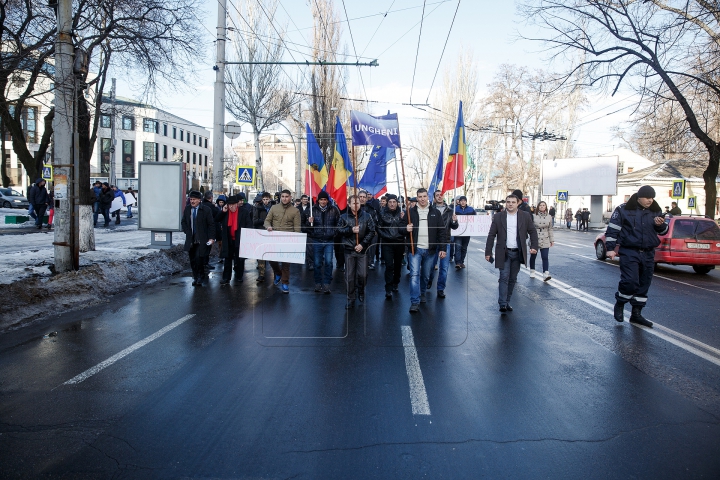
column 635, row 226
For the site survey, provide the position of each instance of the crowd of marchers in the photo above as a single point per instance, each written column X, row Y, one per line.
column 388, row 233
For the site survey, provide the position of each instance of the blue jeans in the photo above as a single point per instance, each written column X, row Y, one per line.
column 31, row 212
column 508, row 277
column 420, row 265
column 105, row 213
column 442, row 269
column 323, row 252
column 545, row 261
column 461, row 248
column 129, row 214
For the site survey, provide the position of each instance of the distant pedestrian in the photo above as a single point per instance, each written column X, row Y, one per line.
column 675, row 210
column 305, row 214
column 357, row 229
column 552, row 214
column 233, row 219
column 512, row 229
column 105, row 201
column 635, row 227
column 118, row 194
column 426, row 232
column 568, row 218
column 198, row 225
column 391, row 229
column 51, row 208
column 585, row 219
column 260, row 212
column 208, row 202
column 97, row 188
column 543, row 225
column 39, row 199
column 367, row 206
column 322, row 229
column 130, row 199
column 283, row 217
column 578, row 219
column 461, row 243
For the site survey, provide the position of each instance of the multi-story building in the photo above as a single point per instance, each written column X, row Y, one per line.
column 278, row 166
column 149, row 134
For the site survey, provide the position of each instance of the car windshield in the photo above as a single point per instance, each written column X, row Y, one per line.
column 696, row 229
column 15, row 194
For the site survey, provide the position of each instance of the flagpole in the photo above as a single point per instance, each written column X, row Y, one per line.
column 407, row 212
column 354, row 174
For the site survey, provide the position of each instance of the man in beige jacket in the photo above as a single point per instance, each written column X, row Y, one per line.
column 283, row 217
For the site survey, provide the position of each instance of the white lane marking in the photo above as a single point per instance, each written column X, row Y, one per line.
column 677, row 338
column 567, row 245
column 654, row 274
column 418, row 395
column 106, row 363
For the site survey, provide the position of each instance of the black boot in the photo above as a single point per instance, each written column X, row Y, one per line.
column 618, row 311
column 637, row 317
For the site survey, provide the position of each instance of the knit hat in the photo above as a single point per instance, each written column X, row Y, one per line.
column 412, row 199
column 241, row 195
column 221, row 198
column 391, row 196
column 518, row 194
column 232, row 199
column 462, row 197
column 193, row 194
column 324, row 195
column 646, row 191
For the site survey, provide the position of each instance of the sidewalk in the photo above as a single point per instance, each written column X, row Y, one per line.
column 121, row 260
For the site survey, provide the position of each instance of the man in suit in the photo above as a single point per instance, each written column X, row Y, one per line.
column 511, row 227
column 198, row 225
column 233, row 218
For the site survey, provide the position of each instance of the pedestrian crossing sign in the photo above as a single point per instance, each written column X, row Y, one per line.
column 47, row 173
column 245, row 176
column 692, row 202
column 562, row 195
column 678, row 190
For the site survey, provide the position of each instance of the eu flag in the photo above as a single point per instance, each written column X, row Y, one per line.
column 375, row 178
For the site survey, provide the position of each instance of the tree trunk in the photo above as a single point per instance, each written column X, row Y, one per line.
column 710, row 176
column 258, row 160
column 85, row 195
column 87, row 231
column 3, row 162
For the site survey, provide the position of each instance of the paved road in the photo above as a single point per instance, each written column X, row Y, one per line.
column 243, row 382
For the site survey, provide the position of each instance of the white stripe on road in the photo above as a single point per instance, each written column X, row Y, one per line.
column 567, row 245
column 418, row 395
column 710, row 354
column 104, row 364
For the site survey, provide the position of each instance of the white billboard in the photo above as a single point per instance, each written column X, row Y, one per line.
column 580, row 176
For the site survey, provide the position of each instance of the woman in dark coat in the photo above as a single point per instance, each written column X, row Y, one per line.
column 233, row 218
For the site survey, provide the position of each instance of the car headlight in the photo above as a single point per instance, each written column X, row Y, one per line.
column 17, row 201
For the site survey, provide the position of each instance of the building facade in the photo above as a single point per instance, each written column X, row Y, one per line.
column 278, row 157
column 144, row 133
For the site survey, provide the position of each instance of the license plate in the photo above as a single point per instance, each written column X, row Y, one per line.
column 702, row 246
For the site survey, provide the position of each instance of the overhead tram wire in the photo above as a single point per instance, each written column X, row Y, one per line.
column 357, row 59
column 443, row 52
column 378, row 27
column 324, row 24
column 409, row 30
column 417, row 52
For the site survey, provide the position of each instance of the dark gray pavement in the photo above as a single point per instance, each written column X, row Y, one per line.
column 258, row 384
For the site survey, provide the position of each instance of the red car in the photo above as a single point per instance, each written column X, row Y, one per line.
column 693, row 241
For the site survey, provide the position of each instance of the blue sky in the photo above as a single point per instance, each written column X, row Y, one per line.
column 487, row 27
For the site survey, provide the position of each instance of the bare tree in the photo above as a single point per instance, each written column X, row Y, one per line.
column 666, row 50
column 261, row 95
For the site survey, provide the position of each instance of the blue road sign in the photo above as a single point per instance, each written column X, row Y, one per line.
column 562, row 195
column 47, row 172
column 245, row 176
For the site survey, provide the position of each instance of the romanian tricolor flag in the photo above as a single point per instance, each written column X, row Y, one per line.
column 457, row 159
column 341, row 169
column 316, row 175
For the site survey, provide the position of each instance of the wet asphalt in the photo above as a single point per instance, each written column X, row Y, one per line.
column 257, row 384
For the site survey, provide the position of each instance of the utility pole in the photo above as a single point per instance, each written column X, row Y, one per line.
column 63, row 127
column 113, row 174
column 298, row 156
column 219, row 106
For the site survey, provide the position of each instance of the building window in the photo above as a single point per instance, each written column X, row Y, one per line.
column 280, row 173
column 188, row 137
column 128, row 122
column 630, row 169
column 206, row 160
column 621, row 167
column 105, row 145
column 165, row 129
column 128, row 159
column 281, row 159
column 194, row 158
column 105, row 121
column 174, row 133
column 181, row 134
column 174, row 151
column 206, row 143
column 187, row 157
column 194, row 139
column 28, row 123
column 149, row 152
column 150, row 125
column 164, row 152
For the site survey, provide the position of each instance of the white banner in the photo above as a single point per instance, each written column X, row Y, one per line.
column 472, row 226
column 116, row 205
column 273, row 246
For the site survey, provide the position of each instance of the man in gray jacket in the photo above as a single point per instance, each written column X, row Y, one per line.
column 512, row 228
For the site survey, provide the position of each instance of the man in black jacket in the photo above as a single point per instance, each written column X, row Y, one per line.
column 585, row 219
column 391, row 228
column 426, row 232
column 523, row 206
column 260, row 212
column 305, row 214
column 198, row 225
column 367, row 206
column 105, row 200
column 233, row 217
column 450, row 220
column 357, row 230
column 322, row 226
column 38, row 198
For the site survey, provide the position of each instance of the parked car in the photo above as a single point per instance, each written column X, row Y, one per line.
column 10, row 198
column 693, row 241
